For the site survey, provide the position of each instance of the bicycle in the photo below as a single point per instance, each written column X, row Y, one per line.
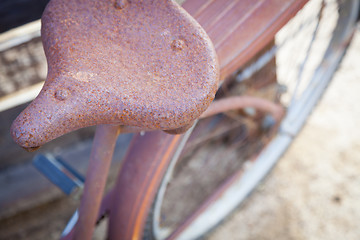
column 275, row 136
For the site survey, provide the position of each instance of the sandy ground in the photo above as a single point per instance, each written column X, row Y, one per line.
column 314, row 191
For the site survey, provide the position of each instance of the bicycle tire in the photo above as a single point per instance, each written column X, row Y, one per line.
column 296, row 116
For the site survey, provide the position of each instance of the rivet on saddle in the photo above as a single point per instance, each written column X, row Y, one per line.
column 135, row 63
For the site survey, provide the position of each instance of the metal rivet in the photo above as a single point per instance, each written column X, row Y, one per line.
column 177, row 44
column 17, row 133
column 62, row 94
column 120, row 4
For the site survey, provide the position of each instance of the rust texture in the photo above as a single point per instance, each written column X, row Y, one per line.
column 240, row 102
column 105, row 208
column 239, row 30
column 96, row 175
column 136, row 63
column 137, row 187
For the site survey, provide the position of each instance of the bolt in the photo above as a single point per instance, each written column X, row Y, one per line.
column 17, row 133
column 62, row 94
column 120, row 4
column 177, row 44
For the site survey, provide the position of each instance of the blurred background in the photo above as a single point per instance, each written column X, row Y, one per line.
column 313, row 193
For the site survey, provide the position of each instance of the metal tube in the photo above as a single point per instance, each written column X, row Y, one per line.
column 240, row 102
column 99, row 164
column 141, row 173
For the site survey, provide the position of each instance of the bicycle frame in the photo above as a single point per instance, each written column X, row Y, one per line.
column 150, row 154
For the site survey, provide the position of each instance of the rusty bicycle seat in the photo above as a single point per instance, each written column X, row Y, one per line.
column 134, row 63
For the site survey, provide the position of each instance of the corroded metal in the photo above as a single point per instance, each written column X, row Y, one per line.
column 104, row 210
column 138, row 182
column 240, row 102
column 137, row 63
column 239, row 31
column 96, row 176
column 105, row 82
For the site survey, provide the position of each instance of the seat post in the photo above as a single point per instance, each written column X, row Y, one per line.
column 96, row 176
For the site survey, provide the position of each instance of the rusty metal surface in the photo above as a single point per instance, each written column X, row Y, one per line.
column 138, row 181
column 240, row 102
column 245, row 43
column 139, row 63
column 241, row 28
column 96, row 175
column 57, row 94
column 105, row 208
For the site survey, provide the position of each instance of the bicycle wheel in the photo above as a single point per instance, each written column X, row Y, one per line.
column 226, row 156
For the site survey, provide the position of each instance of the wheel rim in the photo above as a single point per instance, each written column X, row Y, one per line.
column 237, row 187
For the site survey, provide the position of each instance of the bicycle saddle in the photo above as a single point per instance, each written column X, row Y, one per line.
column 138, row 63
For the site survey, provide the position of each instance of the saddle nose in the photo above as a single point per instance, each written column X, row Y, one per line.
column 147, row 64
column 62, row 106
